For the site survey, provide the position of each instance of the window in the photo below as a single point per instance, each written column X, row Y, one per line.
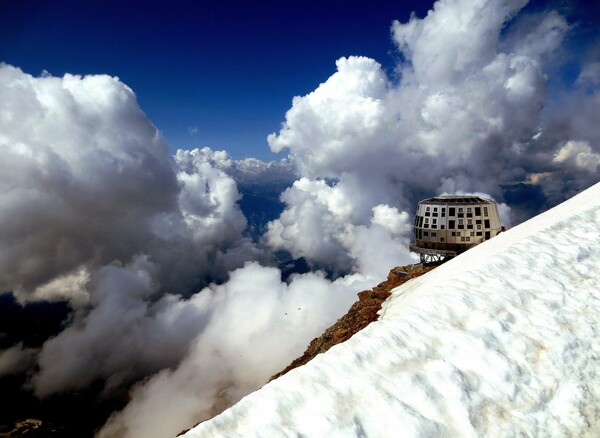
column 451, row 224
column 433, row 234
column 453, row 233
column 425, row 233
column 487, row 223
column 477, row 211
column 442, row 226
column 469, row 210
column 487, row 235
column 479, row 226
column 470, row 221
column 441, row 239
column 443, row 212
column 435, row 209
column 458, row 233
column 451, row 211
column 462, row 239
column 460, row 222
column 479, row 234
column 468, row 239
column 485, row 212
column 472, row 233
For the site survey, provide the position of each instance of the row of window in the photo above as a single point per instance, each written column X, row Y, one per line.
column 433, row 234
column 423, row 222
column 465, row 238
column 452, row 211
column 454, row 234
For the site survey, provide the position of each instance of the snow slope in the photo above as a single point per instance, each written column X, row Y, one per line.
column 501, row 341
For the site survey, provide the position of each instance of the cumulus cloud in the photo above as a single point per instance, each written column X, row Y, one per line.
column 580, row 154
column 320, row 225
column 125, row 336
column 249, row 170
column 126, row 232
column 467, row 115
column 255, row 325
column 260, row 183
column 85, row 180
column 16, row 359
column 590, row 74
column 82, row 170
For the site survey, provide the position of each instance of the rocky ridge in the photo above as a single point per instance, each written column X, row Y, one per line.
column 361, row 314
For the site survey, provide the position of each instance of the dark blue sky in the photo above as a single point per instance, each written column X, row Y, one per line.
column 228, row 68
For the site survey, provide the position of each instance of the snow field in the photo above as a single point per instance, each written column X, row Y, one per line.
column 501, row 341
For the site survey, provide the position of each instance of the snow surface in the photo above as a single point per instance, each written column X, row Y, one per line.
column 501, row 341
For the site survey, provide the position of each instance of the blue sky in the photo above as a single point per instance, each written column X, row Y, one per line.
column 228, row 69
column 219, row 73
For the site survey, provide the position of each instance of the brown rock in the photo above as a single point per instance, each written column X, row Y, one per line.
column 361, row 314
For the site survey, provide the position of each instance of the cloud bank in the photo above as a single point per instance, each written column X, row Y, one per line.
column 469, row 113
column 94, row 210
column 86, row 180
column 256, row 324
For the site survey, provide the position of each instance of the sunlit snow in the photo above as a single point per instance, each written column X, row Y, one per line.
column 501, row 341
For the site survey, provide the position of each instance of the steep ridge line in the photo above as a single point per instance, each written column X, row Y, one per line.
column 362, row 313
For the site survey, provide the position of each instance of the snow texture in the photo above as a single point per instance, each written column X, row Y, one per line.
column 500, row 341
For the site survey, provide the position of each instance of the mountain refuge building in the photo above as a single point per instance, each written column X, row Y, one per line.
column 445, row 226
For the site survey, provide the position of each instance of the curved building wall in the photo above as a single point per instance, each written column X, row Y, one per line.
column 455, row 223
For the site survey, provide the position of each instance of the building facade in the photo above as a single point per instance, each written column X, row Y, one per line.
column 445, row 226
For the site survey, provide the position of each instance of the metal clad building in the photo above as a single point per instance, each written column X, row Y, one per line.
column 445, row 226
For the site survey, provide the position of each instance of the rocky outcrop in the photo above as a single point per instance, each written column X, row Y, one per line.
column 361, row 314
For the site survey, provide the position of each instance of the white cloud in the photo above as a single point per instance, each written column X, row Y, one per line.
column 590, row 74
column 124, row 336
column 91, row 181
column 112, row 222
column 462, row 118
column 247, row 170
column 16, row 359
column 458, row 38
column 580, row 154
column 255, row 325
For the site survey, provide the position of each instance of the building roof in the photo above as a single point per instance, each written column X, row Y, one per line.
column 454, row 199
